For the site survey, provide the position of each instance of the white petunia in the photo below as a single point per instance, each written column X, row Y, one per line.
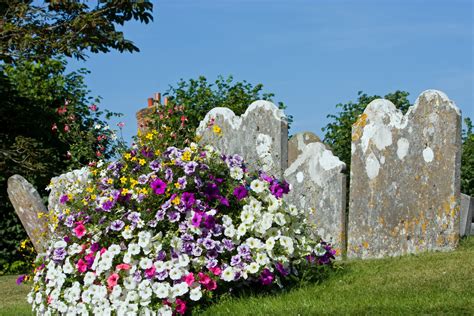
column 228, row 274
column 114, row 249
column 247, row 216
column 229, row 231
column 195, row 294
column 257, row 186
column 253, row 267
column 236, row 173
column 133, row 249
column 176, row 274
column 145, row 263
column 280, row 219
column 144, row 238
column 161, row 290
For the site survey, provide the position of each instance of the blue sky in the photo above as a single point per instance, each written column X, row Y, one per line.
column 312, row 54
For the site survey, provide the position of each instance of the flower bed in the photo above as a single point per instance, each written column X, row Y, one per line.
column 159, row 233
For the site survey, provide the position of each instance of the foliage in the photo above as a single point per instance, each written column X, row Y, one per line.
column 189, row 102
column 48, row 124
column 467, row 160
column 338, row 133
column 32, row 30
column 163, row 229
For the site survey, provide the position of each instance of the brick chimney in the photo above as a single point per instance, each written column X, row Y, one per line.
column 143, row 115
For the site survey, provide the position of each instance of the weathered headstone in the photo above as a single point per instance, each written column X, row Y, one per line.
column 467, row 209
column 30, row 209
column 260, row 135
column 297, row 143
column 318, row 186
column 405, row 178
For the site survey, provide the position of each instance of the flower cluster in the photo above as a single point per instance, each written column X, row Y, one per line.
column 156, row 233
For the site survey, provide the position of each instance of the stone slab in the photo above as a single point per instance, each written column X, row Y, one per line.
column 467, row 209
column 405, row 178
column 297, row 142
column 319, row 186
column 260, row 135
column 28, row 206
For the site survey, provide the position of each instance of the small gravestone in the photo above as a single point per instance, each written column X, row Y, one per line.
column 260, row 135
column 467, row 209
column 319, row 187
column 405, row 178
column 30, row 209
column 297, row 143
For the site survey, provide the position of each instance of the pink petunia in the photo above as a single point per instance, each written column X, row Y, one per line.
column 80, row 230
column 216, row 270
column 123, row 266
column 189, row 279
column 112, row 280
column 150, row 272
column 180, row 306
column 211, row 285
column 203, row 278
column 81, row 266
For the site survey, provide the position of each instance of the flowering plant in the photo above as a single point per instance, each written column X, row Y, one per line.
column 156, row 233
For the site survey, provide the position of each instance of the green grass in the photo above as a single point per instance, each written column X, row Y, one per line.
column 13, row 297
column 430, row 283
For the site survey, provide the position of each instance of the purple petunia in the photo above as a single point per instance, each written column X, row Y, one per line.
column 63, row 199
column 266, row 277
column 158, row 186
column 240, row 192
column 190, row 167
column 117, row 225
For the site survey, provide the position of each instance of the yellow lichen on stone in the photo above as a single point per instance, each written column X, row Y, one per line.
column 358, row 127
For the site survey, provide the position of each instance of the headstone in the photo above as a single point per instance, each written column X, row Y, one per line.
column 30, row 209
column 260, row 135
column 297, row 142
column 467, row 209
column 405, row 178
column 319, row 187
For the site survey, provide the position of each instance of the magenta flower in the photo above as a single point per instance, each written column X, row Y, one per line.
column 240, row 192
column 158, row 186
column 266, row 277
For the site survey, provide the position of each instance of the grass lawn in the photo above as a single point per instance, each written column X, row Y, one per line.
column 430, row 283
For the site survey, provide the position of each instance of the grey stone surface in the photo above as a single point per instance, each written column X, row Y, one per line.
column 297, row 142
column 405, row 178
column 28, row 205
column 318, row 186
column 260, row 135
column 467, row 210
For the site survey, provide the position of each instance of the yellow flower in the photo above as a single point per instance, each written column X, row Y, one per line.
column 125, row 191
column 93, row 197
column 157, row 152
column 133, row 182
column 149, row 136
column 40, row 214
column 134, row 159
column 142, row 161
column 176, row 200
column 177, row 185
column 186, row 156
column 110, row 181
column 89, row 189
column 127, row 155
column 216, row 129
column 123, row 180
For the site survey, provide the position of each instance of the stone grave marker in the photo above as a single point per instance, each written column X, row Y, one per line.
column 467, row 209
column 28, row 206
column 297, row 143
column 405, row 178
column 319, row 187
column 260, row 135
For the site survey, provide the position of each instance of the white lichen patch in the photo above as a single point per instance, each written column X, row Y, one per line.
column 263, row 145
column 428, row 154
column 403, row 146
column 372, row 166
column 299, row 177
column 267, row 106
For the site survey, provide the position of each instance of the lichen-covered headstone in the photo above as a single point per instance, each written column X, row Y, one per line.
column 297, row 143
column 467, row 209
column 318, row 186
column 405, row 178
column 30, row 209
column 260, row 135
